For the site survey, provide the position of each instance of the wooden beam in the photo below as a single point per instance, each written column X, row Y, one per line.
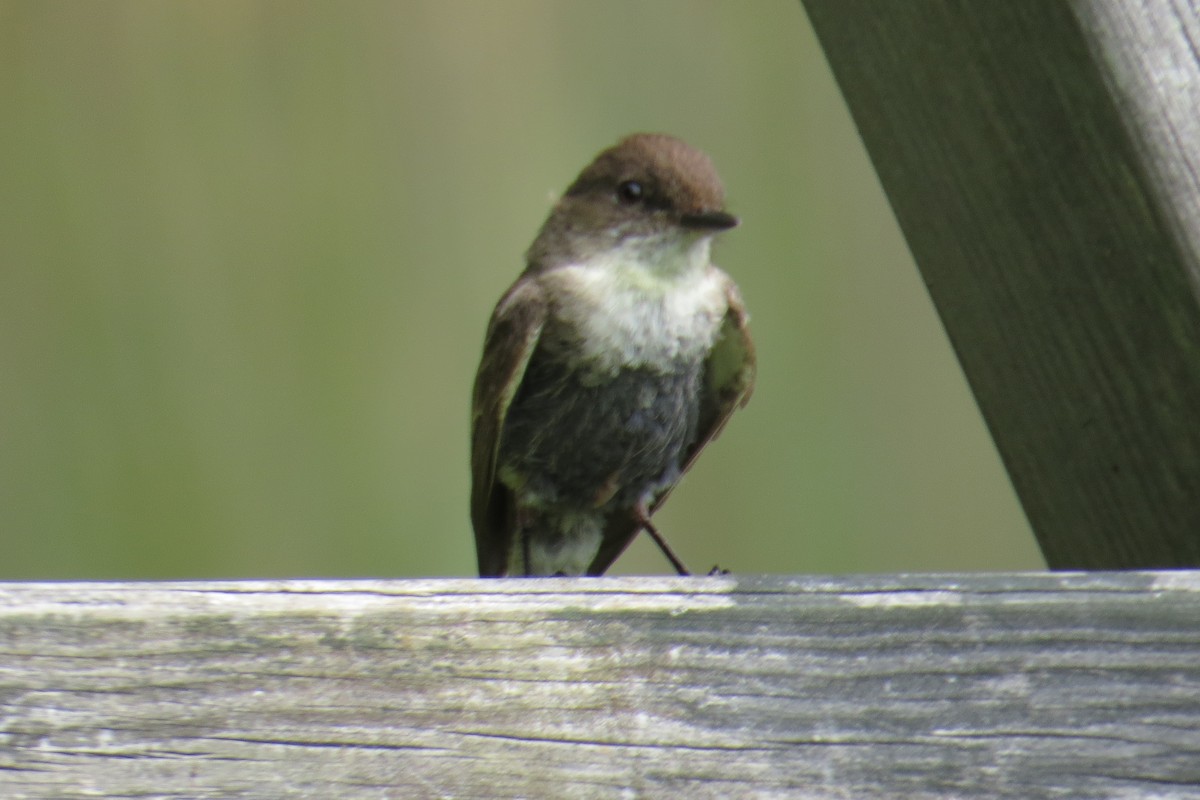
column 996, row 686
column 1042, row 158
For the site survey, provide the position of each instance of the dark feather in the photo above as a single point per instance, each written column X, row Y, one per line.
column 512, row 336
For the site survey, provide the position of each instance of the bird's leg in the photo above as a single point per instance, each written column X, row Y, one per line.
column 642, row 517
column 520, row 529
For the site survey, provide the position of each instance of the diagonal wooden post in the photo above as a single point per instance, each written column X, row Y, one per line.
column 1042, row 158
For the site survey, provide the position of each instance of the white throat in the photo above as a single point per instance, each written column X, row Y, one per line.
column 644, row 302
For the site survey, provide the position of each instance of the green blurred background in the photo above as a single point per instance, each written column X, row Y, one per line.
column 248, row 251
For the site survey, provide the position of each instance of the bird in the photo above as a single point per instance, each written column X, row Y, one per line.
column 617, row 354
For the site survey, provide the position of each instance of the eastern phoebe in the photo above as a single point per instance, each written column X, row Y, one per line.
column 617, row 355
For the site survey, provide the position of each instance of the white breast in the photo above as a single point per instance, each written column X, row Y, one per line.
column 629, row 313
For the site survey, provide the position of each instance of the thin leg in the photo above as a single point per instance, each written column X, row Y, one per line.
column 642, row 517
column 521, row 531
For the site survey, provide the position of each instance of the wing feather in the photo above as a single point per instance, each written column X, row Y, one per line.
column 512, row 336
column 728, row 378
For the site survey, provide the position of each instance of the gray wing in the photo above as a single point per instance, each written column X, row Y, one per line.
column 512, row 336
column 728, row 384
column 728, row 378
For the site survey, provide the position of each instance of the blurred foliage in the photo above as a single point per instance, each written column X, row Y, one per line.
column 248, row 250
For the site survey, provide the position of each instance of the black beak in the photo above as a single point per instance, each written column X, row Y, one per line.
column 708, row 221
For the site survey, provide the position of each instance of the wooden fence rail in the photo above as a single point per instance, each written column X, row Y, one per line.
column 997, row 686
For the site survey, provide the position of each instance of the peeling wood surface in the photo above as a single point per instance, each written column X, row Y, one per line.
column 997, row 686
column 1042, row 159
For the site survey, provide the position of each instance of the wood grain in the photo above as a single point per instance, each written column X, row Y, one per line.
column 998, row 686
column 1042, row 161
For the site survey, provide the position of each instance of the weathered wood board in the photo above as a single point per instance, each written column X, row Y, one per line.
column 997, row 686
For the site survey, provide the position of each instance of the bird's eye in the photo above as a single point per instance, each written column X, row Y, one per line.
column 630, row 191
